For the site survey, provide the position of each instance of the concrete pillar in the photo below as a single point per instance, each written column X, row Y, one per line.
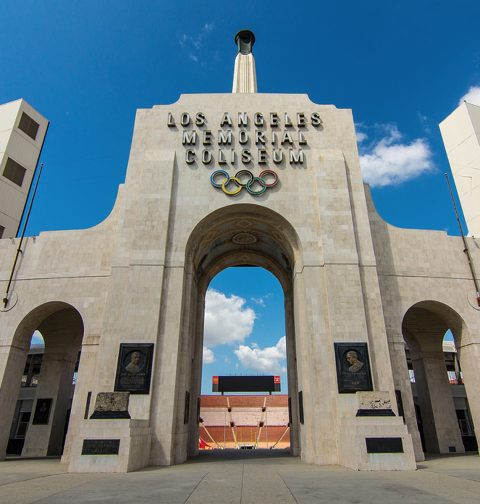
column 402, row 383
column 86, row 369
column 469, row 357
column 12, row 363
column 55, row 382
column 62, row 332
column 439, row 419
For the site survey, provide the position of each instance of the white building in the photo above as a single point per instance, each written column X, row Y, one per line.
column 22, row 132
column 461, row 136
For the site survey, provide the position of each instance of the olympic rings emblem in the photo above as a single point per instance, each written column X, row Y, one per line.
column 255, row 186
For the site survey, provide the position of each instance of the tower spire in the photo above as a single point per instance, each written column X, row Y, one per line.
column 244, row 75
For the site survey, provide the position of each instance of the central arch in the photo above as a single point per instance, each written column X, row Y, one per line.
column 238, row 235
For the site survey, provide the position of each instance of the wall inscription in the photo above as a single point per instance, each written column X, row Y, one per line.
column 101, row 446
column 246, row 138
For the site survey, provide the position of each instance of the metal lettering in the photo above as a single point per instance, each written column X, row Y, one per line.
column 274, row 119
column 246, row 156
column 242, row 119
column 301, row 120
column 262, row 156
column 274, row 138
column 189, row 156
column 170, row 120
column 206, row 157
column 259, row 137
column 200, row 119
column 243, row 137
column 185, row 119
column 316, row 119
column 296, row 156
column 288, row 121
column 277, row 156
column 225, row 137
column 207, row 137
column 189, row 137
column 258, row 119
column 221, row 157
column 287, row 138
column 226, row 119
column 301, row 138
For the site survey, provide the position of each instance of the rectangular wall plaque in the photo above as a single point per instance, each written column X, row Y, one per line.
column 134, row 368
column 384, row 445
column 100, row 446
column 353, row 367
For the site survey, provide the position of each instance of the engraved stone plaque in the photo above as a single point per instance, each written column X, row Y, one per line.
column 100, row 446
column 353, row 367
column 111, row 405
column 384, row 445
column 374, row 404
column 134, row 368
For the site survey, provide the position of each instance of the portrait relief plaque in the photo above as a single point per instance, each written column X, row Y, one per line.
column 42, row 412
column 134, row 368
column 353, row 367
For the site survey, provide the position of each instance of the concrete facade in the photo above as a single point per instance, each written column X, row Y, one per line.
column 22, row 133
column 141, row 276
column 461, row 136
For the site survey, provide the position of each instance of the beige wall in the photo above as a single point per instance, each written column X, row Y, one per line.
column 461, row 136
column 20, row 147
column 140, row 277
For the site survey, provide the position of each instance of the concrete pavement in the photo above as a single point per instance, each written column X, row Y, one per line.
column 243, row 477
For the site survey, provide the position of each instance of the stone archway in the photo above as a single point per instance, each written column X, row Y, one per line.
column 233, row 236
column 61, row 326
column 424, row 326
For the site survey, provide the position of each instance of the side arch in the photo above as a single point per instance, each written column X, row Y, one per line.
column 424, row 326
column 62, row 328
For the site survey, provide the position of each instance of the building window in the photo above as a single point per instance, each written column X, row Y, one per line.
column 32, row 369
column 28, row 126
column 14, row 172
column 2, row 230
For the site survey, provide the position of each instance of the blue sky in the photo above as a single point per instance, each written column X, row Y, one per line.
column 88, row 65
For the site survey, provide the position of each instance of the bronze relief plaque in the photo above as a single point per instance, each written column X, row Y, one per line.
column 134, row 368
column 353, row 367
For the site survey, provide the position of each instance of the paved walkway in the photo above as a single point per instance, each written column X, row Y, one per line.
column 243, row 477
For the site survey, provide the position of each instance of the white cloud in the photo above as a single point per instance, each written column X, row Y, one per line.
column 391, row 162
column 262, row 300
column 194, row 43
column 265, row 360
column 361, row 137
column 471, row 96
column 259, row 301
column 208, row 356
column 227, row 319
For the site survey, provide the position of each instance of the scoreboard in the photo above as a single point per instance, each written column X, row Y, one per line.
column 246, row 384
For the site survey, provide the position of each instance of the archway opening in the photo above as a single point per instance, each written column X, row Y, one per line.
column 244, row 348
column 42, row 373
column 433, row 334
column 236, row 236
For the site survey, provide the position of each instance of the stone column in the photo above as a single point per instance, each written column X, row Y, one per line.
column 469, row 357
column 12, row 363
column 402, row 383
column 55, row 382
column 86, row 370
column 439, row 419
